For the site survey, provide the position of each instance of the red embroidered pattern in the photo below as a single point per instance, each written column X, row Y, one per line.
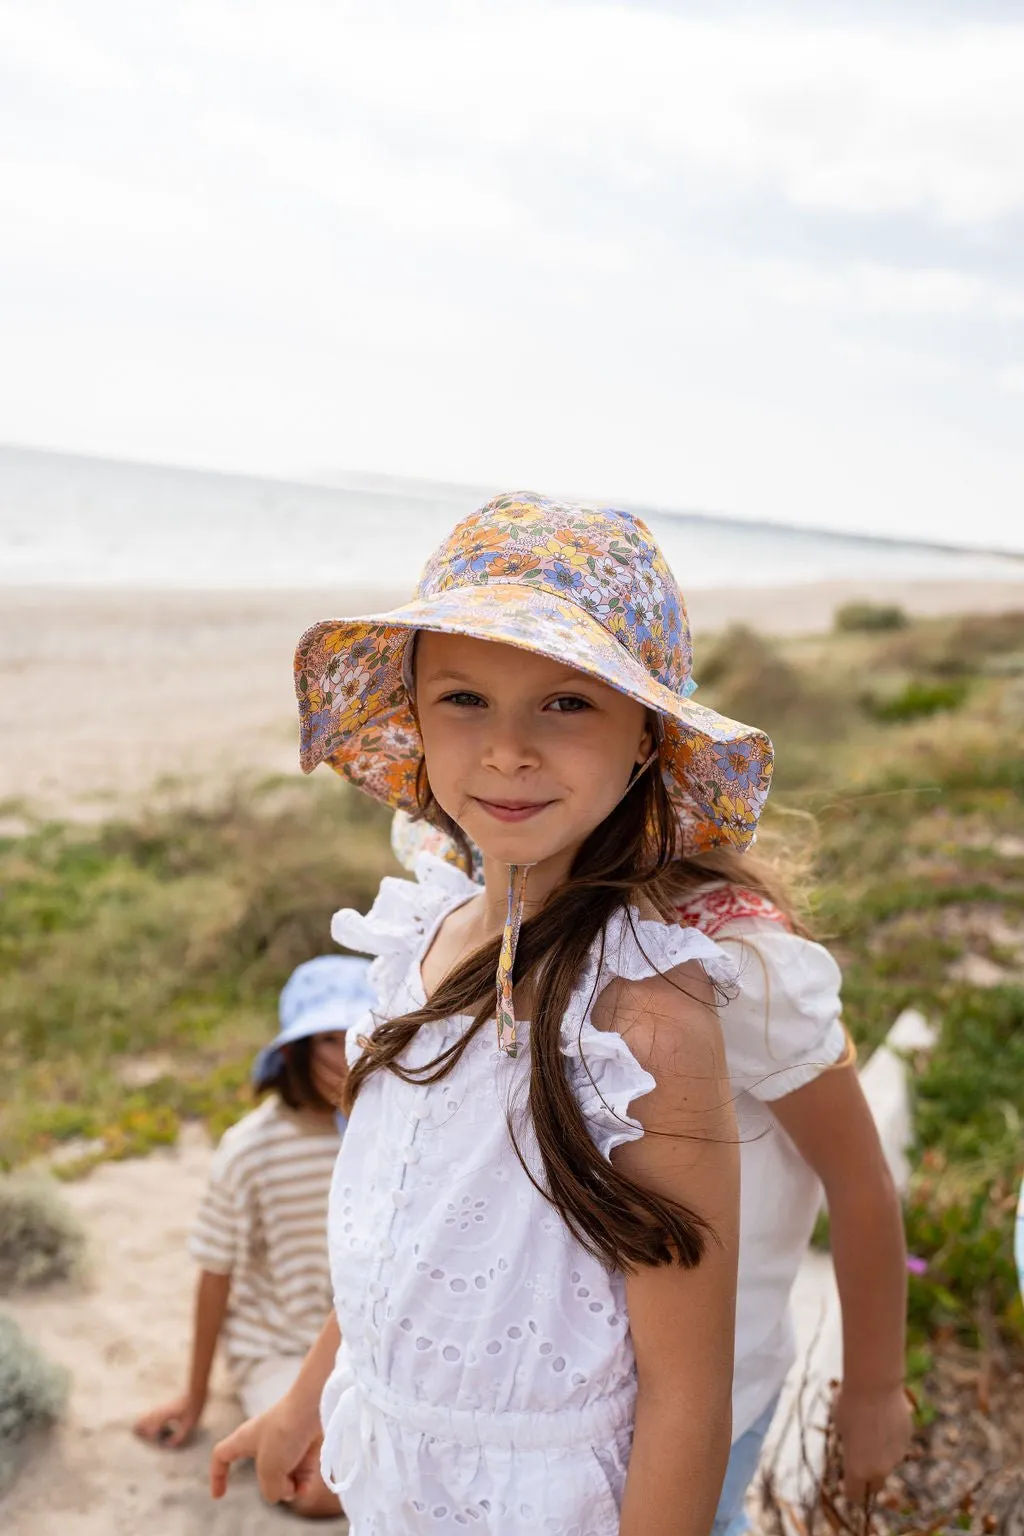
column 713, row 910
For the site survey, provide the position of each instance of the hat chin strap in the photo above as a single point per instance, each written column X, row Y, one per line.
column 518, row 874
column 506, row 1015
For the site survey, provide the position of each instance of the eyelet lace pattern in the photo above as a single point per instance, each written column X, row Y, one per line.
column 486, row 1379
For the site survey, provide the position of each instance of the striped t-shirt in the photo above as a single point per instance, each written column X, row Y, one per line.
column 263, row 1221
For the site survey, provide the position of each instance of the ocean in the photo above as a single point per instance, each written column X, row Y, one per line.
column 67, row 520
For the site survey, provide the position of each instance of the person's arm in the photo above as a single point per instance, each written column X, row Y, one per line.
column 682, row 1321
column 283, row 1441
column 172, row 1423
column 211, row 1307
column 830, row 1123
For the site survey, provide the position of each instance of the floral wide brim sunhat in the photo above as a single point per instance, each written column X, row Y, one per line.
column 585, row 586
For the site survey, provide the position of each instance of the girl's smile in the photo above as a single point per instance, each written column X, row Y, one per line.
column 512, row 810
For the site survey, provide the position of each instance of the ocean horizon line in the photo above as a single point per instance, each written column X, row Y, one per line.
column 414, row 488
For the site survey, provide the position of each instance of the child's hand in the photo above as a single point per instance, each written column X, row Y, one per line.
column 171, row 1424
column 285, row 1452
column 875, row 1429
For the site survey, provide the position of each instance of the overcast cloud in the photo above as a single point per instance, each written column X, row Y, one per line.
column 740, row 259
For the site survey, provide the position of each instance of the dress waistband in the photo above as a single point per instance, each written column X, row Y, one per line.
column 552, row 1429
column 352, row 1401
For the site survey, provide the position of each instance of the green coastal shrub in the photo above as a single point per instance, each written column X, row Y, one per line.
column 959, row 1225
column 917, row 700
column 166, row 938
column 33, row 1392
column 40, row 1237
column 869, row 616
column 978, row 643
column 968, row 1112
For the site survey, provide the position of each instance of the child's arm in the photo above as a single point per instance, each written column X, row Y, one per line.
column 831, row 1125
column 682, row 1321
column 171, row 1424
column 282, row 1441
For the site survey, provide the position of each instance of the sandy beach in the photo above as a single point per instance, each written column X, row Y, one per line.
column 123, row 1334
column 105, row 694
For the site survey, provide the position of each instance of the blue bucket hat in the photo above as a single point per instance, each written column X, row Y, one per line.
column 320, row 997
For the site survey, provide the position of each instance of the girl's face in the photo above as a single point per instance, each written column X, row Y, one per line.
column 526, row 754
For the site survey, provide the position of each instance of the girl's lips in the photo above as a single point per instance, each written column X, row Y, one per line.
column 513, row 810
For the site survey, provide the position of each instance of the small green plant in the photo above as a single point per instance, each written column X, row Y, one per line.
column 40, row 1237
column 33, row 1392
column 869, row 616
column 968, row 1285
column 962, row 1199
column 917, row 700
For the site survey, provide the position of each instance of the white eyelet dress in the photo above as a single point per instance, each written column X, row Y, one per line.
column 486, row 1379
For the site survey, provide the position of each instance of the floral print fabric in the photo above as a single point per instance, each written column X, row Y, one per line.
column 588, row 587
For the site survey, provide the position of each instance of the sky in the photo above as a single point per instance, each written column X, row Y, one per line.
column 759, row 260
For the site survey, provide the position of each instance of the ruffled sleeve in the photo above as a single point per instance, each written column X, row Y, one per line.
column 403, row 915
column 783, row 1025
column 606, row 1075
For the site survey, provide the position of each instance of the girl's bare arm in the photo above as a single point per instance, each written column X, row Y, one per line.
column 831, row 1125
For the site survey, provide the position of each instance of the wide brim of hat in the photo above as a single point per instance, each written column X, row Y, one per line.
column 355, row 713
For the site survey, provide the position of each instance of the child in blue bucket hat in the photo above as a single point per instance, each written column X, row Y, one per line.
column 260, row 1233
column 321, row 997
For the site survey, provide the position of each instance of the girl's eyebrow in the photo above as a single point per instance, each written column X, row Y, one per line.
column 449, row 676
column 569, row 679
column 452, row 677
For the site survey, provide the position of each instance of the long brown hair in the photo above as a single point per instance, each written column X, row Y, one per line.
column 634, row 850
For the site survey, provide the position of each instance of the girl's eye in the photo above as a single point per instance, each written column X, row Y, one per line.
column 463, row 700
column 570, row 705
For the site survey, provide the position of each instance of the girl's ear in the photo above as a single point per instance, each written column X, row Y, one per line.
column 647, row 741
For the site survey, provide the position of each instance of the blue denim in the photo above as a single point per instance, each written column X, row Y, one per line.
column 731, row 1516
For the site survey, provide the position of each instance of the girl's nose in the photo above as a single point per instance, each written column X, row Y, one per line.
column 509, row 746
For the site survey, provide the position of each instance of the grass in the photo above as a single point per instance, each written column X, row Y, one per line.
column 165, row 941
column 140, row 963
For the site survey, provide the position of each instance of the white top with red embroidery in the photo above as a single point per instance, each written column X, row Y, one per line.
column 782, row 1029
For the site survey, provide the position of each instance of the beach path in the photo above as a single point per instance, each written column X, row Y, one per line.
column 124, row 1335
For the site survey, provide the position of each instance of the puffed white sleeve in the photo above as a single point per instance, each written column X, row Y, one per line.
column 782, row 1025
